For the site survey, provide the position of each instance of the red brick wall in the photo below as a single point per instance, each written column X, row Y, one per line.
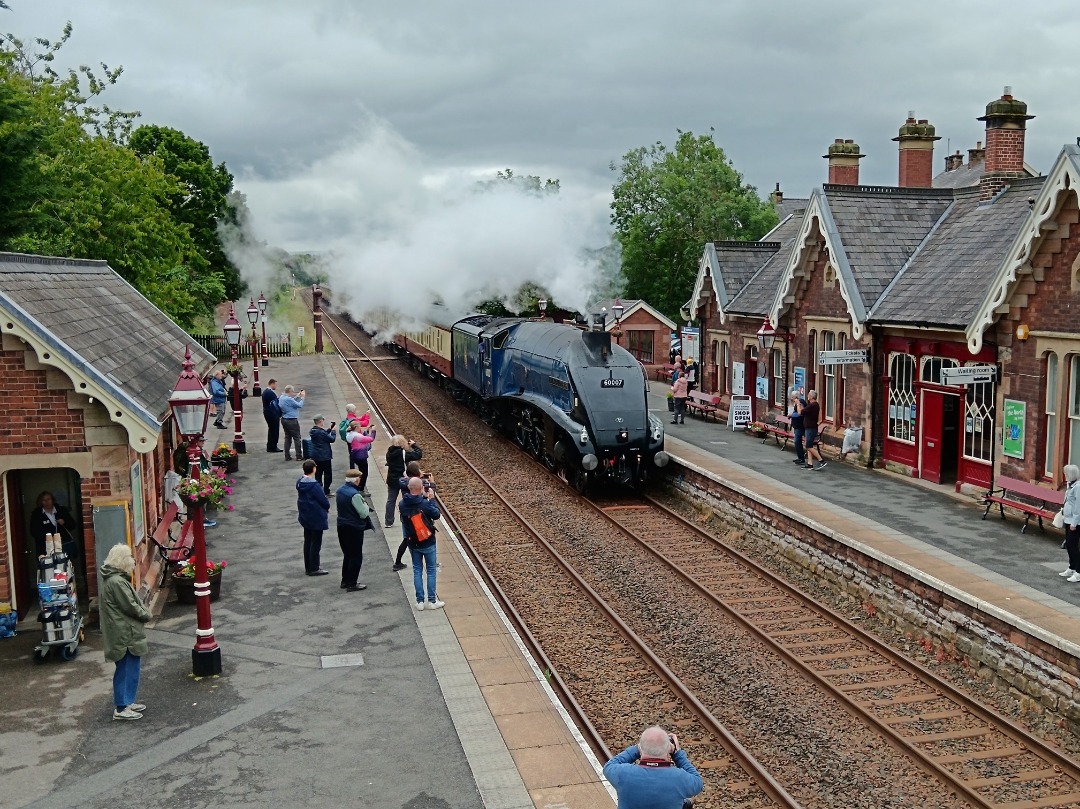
column 844, row 175
column 816, row 299
column 916, row 168
column 36, row 420
column 643, row 320
column 1005, row 150
column 1051, row 305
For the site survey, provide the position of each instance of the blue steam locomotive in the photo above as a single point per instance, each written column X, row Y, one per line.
column 566, row 395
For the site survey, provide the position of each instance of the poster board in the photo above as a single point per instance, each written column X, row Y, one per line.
column 112, row 525
column 1012, row 429
column 738, row 378
column 800, row 377
column 740, row 412
column 138, row 509
column 761, row 387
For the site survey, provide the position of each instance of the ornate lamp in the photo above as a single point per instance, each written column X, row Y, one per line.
column 232, row 331
column 766, row 335
column 262, row 316
column 190, row 405
column 253, row 318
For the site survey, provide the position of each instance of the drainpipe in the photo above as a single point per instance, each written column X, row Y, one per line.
column 877, row 374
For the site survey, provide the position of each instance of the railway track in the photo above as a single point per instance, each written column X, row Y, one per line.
column 975, row 754
column 986, row 759
column 615, row 651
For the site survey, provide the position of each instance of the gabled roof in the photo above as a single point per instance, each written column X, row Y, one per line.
column 757, row 295
column 790, row 206
column 1062, row 180
column 969, row 174
column 947, row 278
column 733, row 264
column 870, row 232
column 629, row 307
column 83, row 318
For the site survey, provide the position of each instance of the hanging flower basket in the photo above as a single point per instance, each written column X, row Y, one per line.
column 227, row 458
column 208, row 491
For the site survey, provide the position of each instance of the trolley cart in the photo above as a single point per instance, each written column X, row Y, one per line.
column 61, row 623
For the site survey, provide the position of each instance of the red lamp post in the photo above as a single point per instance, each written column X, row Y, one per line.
column 190, row 405
column 542, row 306
column 316, row 305
column 253, row 318
column 262, row 316
column 232, row 337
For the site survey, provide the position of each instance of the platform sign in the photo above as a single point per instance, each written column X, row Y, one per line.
column 299, row 331
column 741, row 411
column 846, row 356
column 1012, row 430
column 968, row 375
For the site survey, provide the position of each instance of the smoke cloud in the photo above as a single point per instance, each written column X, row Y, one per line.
column 399, row 236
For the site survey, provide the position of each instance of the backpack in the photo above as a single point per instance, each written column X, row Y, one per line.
column 343, row 428
column 306, row 448
column 418, row 528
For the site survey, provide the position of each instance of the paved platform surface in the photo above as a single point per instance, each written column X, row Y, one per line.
column 928, row 528
column 327, row 698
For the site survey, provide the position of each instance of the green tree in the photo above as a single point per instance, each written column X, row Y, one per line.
column 668, row 203
column 200, row 196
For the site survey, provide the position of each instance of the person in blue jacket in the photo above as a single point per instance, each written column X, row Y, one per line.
column 312, row 507
column 655, row 773
column 322, row 453
column 218, row 394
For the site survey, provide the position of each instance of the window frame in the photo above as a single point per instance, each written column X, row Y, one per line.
column 827, row 394
column 902, row 428
column 777, row 374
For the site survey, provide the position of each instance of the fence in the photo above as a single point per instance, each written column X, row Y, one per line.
column 217, row 345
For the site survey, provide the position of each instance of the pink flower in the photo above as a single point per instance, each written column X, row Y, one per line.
column 232, row 508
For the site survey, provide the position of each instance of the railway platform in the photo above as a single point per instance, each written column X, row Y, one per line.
column 327, row 697
column 935, row 535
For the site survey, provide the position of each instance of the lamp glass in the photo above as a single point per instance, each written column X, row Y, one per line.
column 766, row 335
column 617, row 310
column 253, row 313
column 232, row 332
column 262, row 304
column 542, row 304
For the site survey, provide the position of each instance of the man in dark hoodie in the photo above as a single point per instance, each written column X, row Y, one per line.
column 312, row 507
column 322, row 453
column 400, row 452
column 412, row 470
column 418, row 512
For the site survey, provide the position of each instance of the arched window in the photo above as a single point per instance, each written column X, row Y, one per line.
column 777, row 377
column 725, row 368
column 979, row 420
column 1074, row 409
column 902, row 397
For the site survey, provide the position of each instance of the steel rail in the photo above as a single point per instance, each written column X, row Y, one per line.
column 1017, row 734
column 746, row 761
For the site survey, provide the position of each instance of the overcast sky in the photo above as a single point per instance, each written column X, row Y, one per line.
column 309, row 101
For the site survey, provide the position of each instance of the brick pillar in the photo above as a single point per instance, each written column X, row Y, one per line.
column 843, row 157
column 1006, row 125
column 916, row 139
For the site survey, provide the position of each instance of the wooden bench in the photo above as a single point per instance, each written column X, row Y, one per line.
column 172, row 550
column 664, row 372
column 704, row 404
column 779, row 428
column 1031, row 500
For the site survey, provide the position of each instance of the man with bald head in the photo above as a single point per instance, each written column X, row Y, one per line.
column 655, row 773
column 418, row 511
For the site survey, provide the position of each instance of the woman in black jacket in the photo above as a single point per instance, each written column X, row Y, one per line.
column 398, row 455
column 50, row 518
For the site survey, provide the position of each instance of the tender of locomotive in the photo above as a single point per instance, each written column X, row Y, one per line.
column 566, row 395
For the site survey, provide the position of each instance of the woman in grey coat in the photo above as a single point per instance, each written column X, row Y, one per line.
column 1071, row 512
column 122, row 619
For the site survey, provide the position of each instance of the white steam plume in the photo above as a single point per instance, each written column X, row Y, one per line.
column 399, row 236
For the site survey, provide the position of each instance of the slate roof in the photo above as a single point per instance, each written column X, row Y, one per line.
column 102, row 324
column 880, row 228
column 964, row 177
column 629, row 306
column 738, row 261
column 789, row 206
column 757, row 296
column 948, row 278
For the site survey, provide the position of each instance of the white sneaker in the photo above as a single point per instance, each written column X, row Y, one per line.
column 138, row 707
column 1066, row 573
column 420, row 605
column 127, row 713
column 1075, row 577
column 438, row 605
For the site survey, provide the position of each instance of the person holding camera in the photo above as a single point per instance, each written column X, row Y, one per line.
column 322, row 453
column 419, row 511
column 655, row 773
column 290, row 405
column 399, row 453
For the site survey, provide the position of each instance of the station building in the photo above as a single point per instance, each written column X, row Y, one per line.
column 973, row 267
column 88, row 365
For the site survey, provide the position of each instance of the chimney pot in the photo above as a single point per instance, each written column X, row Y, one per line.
column 844, row 156
column 916, row 138
column 1006, row 127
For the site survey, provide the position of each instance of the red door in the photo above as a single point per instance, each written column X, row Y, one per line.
column 23, row 553
column 930, row 435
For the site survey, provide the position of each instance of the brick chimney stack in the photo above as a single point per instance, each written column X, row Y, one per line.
column 954, row 161
column 844, row 157
column 1006, row 125
column 916, row 141
column 777, row 196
